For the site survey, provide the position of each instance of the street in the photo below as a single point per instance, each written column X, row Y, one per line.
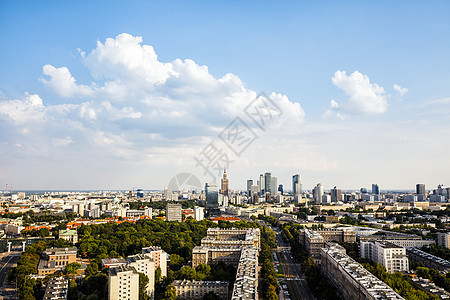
column 8, row 260
column 295, row 280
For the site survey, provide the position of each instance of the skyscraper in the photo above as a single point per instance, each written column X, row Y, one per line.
column 212, row 197
column 225, row 188
column 336, row 194
column 262, row 184
column 420, row 189
column 375, row 189
column 267, row 182
column 280, row 189
column 273, row 186
column 318, row 193
column 249, row 187
column 296, row 184
column 173, row 212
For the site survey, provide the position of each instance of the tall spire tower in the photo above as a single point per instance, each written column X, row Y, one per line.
column 225, row 188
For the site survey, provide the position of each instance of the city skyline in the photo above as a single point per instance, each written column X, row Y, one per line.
column 130, row 96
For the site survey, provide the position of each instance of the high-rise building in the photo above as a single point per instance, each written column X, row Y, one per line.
column 199, row 213
column 443, row 239
column 280, row 189
column 249, row 187
column 336, row 194
column 159, row 256
column 262, row 184
column 389, row 255
column 123, row 283
column 273, row 186
column 420, row 189
column 375, row 189
column 296, row 185
column 267, row 182
column 318, row 193
column 145, row 265
column 173, row 212
column 225, row 188
column 212, row 197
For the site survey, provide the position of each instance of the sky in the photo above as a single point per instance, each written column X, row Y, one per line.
column 126, row 95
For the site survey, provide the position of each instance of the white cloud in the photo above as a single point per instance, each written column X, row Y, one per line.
column 21, row 111
column 400, row 90
column 365, row 98
column 57, row 142
column 63, row 83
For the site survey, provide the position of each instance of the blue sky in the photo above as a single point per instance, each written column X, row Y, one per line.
column 374, row 133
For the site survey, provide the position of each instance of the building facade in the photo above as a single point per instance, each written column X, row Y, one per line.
column 389, row 255
column 173, row 212
column 123, row 283
column 196, row 290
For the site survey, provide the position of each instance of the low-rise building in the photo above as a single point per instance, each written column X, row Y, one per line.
column 55, row 259
column 70, row 235
column 443, row 239
column 428, row 260
column 196, row 290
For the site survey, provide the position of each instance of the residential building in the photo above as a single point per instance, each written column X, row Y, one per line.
column 199, row 213
column 159, row 256
column 123, row 283
column 428, row 260
column 351, row 279
column 389, row 255
column 443, row 239
column 145, row 265
column 196, row 290
column 173, row 212
column 56, row 289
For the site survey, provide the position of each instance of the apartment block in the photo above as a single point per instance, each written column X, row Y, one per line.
column 390, row 256
column 123, row 283
column 246, row 283
column 56, row 288
column 159, row 256
column 443, row 239
column 173, row 212
column 351, row 279
column 428, row 260
column 145, row 265
column 196, row 290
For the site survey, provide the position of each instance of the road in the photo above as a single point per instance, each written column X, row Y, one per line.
column 295, row 279
column 7, row 261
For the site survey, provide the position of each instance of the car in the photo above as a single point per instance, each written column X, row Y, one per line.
column 286, row 293
column 284, row 286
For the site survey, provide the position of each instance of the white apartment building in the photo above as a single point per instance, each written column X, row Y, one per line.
column 123, row 283
column 199, row 213
column 390, row 256
column 159, row 256
column 145, row 265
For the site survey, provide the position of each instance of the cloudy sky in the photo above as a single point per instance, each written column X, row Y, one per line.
column 122, row 95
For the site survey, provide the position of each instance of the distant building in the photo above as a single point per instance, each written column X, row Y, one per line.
column 318, row 193
column 296, row 185
column 375, row 189
column 199, row 213
column 56, row 289
column 273, row 186
column 123, row 283
column 140, row 193
column 249, row 187
column 389, row 255
column 336, row 195
column 443, row 239
column 428, row 260
column 262, row 184
column 212, row 197
column 267, row 182
column 280, row 189
column 225, row 189
column 69, row 235
column 420, row 189
column 173, row 212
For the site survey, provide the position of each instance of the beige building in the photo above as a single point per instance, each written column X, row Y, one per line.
column 145, row 265
column 196, row 290
column 70, row 235
column 123, row 283
column 159, row 256
column 173, row 212
column 389, row 255
column 351, row 279
column 55, row 259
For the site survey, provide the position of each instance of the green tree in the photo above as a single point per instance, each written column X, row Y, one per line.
column 170, row 293
column 143, row 282
column 72, row 268
column 158, row 274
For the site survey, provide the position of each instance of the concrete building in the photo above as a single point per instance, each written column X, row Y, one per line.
column 69, row 235
column 56, row 289
column 351, row 279
column 159, row 256
column 420, row 189
column 249, row 187
column 267, row 182
column 443, row 239
column 123, row 283
column 375, row 189
column 113, row 262
column 318, row 193
column 145, row 265
column 296, row 185
column 273, row 186
column 336, row 195
column 196, row 290
column 173, row 212
column 212, row 197
column 55, row 259
column 389, row 255
column 246, row 283
column 199, row 213
column 428, row 260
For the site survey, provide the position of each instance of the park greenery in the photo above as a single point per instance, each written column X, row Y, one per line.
column 434, row 275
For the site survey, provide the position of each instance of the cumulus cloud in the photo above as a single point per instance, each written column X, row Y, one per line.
column 365, row 97
column 63, row 83
column 400, row 90
column 21, row 111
